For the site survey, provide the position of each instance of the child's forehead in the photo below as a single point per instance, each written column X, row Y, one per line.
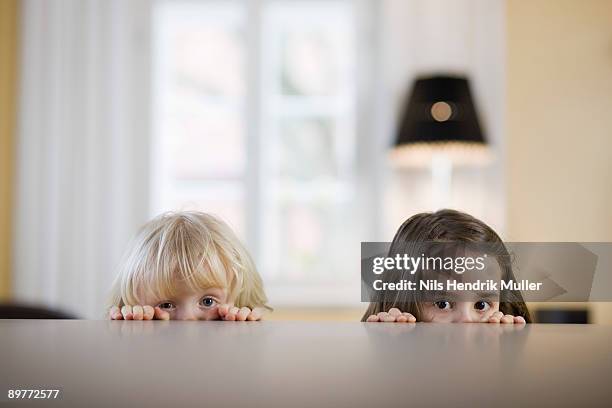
column 491, row 270
column 180, row 289
column 183, row 288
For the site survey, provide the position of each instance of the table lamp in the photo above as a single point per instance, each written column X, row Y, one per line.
column 440, row 128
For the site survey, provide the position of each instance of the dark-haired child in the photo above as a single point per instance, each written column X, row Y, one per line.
column 450, row 226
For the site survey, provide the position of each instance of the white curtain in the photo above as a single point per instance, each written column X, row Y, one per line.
column 82, row 176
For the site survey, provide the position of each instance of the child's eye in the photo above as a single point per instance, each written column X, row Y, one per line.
column 482, row 305
column 166, row 306
column 443, row 304
column 208, row 301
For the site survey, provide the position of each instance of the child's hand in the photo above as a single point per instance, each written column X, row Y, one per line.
column 393, row 316
column 138, row 313
column 230, row 312
column 499, row 317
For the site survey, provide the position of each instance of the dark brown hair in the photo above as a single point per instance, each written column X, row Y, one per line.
column 448, row 226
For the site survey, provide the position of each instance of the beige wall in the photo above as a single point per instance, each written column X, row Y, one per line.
column 8, row 62
column 559, row 122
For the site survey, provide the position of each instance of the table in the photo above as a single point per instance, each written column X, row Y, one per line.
column 306, row 364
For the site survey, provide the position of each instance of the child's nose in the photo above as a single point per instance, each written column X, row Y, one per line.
column 187, row 313
column 464, row 315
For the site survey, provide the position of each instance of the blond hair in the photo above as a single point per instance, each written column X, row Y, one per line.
column 187, row 248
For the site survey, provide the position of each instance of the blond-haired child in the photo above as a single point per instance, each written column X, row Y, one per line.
column 187, row 266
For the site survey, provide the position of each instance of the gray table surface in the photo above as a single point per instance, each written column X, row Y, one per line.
column 305, row 364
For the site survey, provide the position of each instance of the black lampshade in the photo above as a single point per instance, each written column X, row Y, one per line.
column 440, row 114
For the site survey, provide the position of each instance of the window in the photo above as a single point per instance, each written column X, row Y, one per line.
column 255, row 114
column 199, row 157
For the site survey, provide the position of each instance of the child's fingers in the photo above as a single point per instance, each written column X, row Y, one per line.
column 137, row 312
column 231, row 314
column 401, row 319
column 242, row 314
column 256, row 314
column 372, row 318
column 126, row 311
column 507, row 319
column 409, row 317
column 496, row 317
column 148, row 312
column 161, row 314
column 386, row 317
column 223, row 310
column 381, row 316
column 114, row 313
column 389, row 318
column 519, row 320
column 395, row 312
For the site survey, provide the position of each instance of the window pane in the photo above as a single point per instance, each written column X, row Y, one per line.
column 224, row 200
column 307, row 149
column 201, row 79
column 310, row 65
column 207, row 143
column 315, row 244
column 209, row 59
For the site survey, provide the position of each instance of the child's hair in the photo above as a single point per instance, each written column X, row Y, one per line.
column 447, row 226
column 191, row 248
